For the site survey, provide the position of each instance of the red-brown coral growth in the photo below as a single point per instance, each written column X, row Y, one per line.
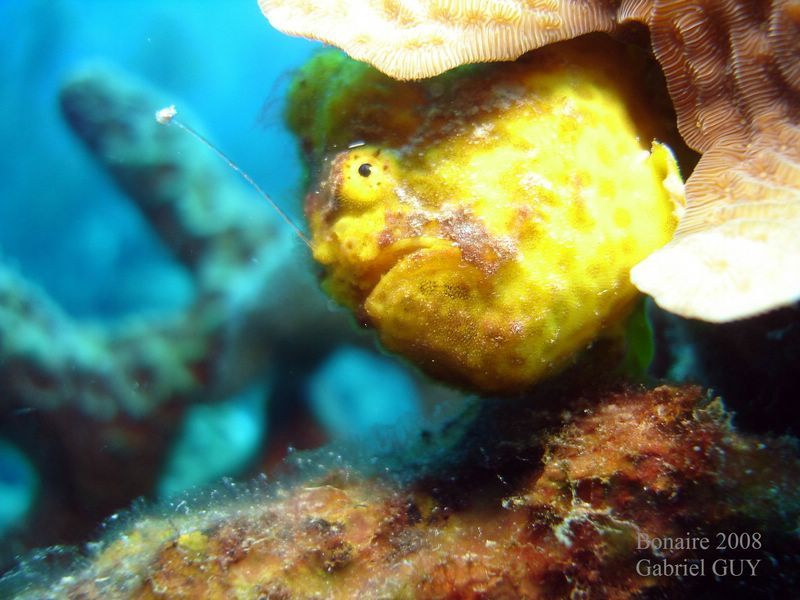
column 525, row 516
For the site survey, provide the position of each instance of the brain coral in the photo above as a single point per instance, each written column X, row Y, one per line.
column 489, row 227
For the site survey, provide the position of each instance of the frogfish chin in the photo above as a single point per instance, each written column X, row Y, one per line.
column 485, row 221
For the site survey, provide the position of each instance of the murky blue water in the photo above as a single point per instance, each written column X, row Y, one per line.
column 219, row 58
column 66, row 228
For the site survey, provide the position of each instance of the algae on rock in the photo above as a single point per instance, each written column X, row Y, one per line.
column 543, row 504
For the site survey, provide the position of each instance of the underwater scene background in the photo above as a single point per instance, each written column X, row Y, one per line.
column 179, row 398
column 76, row 238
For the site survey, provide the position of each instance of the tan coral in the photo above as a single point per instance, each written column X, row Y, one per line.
column 408, row 39
column 734, row 75
column 733, row 71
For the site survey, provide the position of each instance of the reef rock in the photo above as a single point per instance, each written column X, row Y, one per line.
column 541, row 504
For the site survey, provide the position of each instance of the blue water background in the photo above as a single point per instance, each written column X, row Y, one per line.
column 61, row 219
column 65, row 226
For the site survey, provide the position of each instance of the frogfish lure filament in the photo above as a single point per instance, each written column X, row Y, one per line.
column 167, row 116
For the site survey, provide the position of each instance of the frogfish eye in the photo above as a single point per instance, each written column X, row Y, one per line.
column 365, row 169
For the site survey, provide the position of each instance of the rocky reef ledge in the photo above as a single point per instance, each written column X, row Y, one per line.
column 590, row 494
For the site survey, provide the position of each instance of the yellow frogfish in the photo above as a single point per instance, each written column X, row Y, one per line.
column 485, row 221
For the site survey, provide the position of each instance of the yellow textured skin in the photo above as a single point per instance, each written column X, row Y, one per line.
column 496, row 242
